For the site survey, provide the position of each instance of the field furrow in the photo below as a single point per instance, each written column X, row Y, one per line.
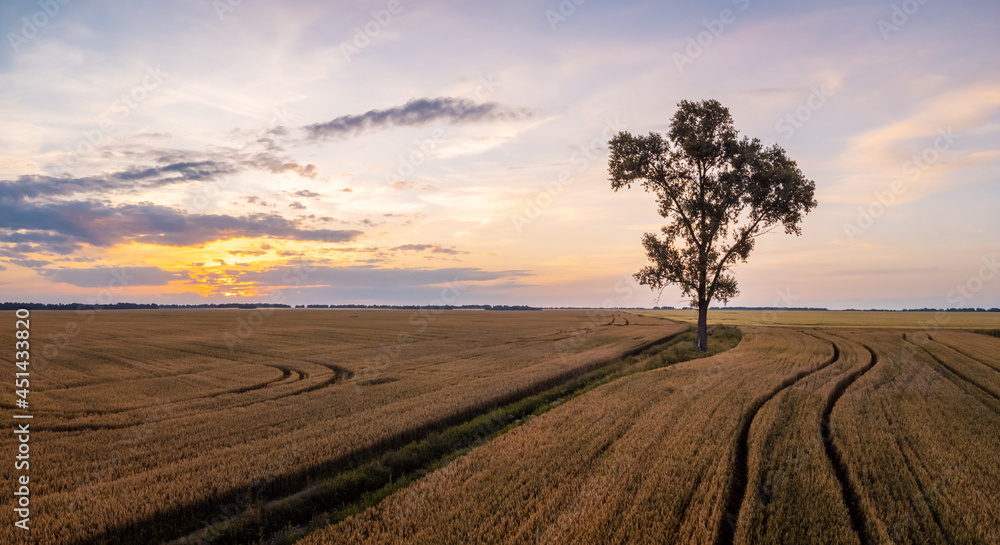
column 982, row 348
column 915, row 437
column 227, row 447
column 851, row 496
column 557, row 480
column 795, row 494
column 736, row 489
column 434, row 426
column 977, row 374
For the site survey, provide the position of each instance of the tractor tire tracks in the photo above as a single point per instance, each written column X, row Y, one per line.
column 736, row 490
column 953, row 371
column 852, row 498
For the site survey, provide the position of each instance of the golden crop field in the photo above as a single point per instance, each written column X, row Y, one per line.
column 795, row 436
column 146, row 422
column 931, row 321
column 390, row 426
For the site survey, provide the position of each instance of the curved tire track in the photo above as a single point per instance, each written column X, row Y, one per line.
column 851, row 496
column 958, row 373
column 338, row 374
column 966, row 354
column 739, row 475
column 168, row 525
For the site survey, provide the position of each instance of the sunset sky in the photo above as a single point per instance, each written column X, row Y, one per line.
column 382, row 151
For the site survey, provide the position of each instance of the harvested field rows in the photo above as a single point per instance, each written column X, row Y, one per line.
column 845, row 436
column 829, row 435
column 148, row 425
column 643, row 459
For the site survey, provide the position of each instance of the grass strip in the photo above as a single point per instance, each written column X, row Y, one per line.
column 331, row 500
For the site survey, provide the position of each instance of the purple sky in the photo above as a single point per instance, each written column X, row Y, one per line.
column 384, row 151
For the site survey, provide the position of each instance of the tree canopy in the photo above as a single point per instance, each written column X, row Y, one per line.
column 719, row 191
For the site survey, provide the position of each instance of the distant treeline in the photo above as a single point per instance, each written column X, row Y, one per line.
column 135, row 306
column 772, row 308
column 850, row 309
column 131, row 306
column 970, row 309
column 435, row 307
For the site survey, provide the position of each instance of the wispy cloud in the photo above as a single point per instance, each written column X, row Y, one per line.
column 421, row 111
column 101, row 224
column 374, row 277
column 97, row 277
column 131, row 180
column 277, row 164
column 433, row 248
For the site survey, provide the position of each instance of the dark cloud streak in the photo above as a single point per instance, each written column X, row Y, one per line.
column 38, row 186
column 416, row 112
column 101, row 224
column 98, row 277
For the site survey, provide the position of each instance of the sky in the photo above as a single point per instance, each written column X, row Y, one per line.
column 428, row 152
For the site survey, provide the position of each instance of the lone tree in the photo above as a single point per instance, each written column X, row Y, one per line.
column 719, row 191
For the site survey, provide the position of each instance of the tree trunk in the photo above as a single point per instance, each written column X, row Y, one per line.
column 702, row 342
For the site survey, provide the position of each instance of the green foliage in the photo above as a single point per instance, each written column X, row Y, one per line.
column 720, row 339
column 719, row 193
column 355, row 490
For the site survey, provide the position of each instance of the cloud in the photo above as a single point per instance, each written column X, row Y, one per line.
column 297, row 206
column 434, row 248
column 101, row 224
column 98, row 277
column 306, row 194
column 30, row 263
column 939, row 137
column 421, row 111
column 362, row 283
column 371, row 277
column 275, row 164
column 401, row 185
column 354, row 249
column 412, row 248
column 130, row 180
column 35, row 241
column 440, row 250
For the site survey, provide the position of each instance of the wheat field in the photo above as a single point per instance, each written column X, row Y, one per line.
column 795, row 436
column 580, row 427
column 147, row 423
